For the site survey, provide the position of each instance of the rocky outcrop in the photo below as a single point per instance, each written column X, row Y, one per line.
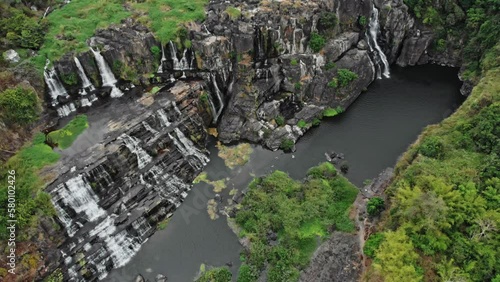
column 335, row 260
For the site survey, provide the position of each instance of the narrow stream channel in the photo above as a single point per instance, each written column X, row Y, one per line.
column 371, row 134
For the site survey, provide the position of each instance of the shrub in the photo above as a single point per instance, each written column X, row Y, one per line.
column 233, row 12
column 372, row 244
column 327, row 20
column 204, row 97
column 294, row 62
column 287, row 145
column 156, row 51
column 330, row 65
column 362, row 21
column 316, row 122
column 280, row 120
column 345, row 76
column 297, row 86
column 302, row 123
column 220, row 274
column 247, row 273
column 432, row 147
column 330, row 112
column 19, row 105
column 375, row 206
column 70, row 78
column 317, row 42
column 65, row 136
column 333, row 83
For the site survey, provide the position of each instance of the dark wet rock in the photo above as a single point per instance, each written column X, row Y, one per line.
column 337, row 259
column 161, row 278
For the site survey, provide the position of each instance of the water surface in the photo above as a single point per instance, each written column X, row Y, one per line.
column 372, row 133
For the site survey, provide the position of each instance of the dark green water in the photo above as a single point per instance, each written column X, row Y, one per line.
column 372, row 133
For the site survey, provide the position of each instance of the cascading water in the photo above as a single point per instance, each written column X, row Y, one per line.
column 149, row 128
column 85, row 80
column 162, row 115
column 173, row 56
column 52, row 80
column 132, row 143
column 66, row 110
column 187, row 148
column 108, row 78
column 163, row 59
column 219, row 96
column 374, row 27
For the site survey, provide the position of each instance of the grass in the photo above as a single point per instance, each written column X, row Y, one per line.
column 166, row 17
column 71, row 25
column 300, row 214
column 234, row 156
column 163, row 224
column 330, row 112
column 218, row 185
column 64, row 137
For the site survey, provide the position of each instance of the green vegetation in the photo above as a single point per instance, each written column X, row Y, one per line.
column 64, row 137
column 445, row 209
column 302, row 124
column 372, row 244
column 457, row 21
column 330, row 112
column 20, row 27
column 375, row 206
column 316, row 122
column 330, row 65
column 219, row 274
column 362, row 21
column 218, row 185
column 234, row 13
column 345, row 76
column 19, row 105
column 327, row 21
column 280, row 120
column 295, row 216
column 294, row 62
column 334, row 83
column 234, row 156
column 163, row 224
column 287, row 145
column 31, row 201
column 317, row 42
column 297, row 86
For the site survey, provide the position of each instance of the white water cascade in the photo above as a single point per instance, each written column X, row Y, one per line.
column 52, row 80
column 374, row 27
column 162, row 115
column 187, row 148
column 163, row 59
column 132, row 143
column 183, row 63
column 66, row 110
column 108, row 78
column 173, row 56
column 85, row 80
column 219, row 97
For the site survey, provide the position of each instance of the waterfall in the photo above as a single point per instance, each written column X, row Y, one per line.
column 176, row 109
column 52, row 80
column 132, row 143
column 108, row 78
column 206, row 29
column 187, row 148
column 163, row 59
column 184, row 62
column 66, row 110
column 374, row 27
column 303, row 68
column 219, row 96
column 173, row 56
column 162, row 115
column 212, row 107
column 149, row 128
column 85, row 80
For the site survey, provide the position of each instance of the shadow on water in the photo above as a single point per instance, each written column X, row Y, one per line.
column 371, row 134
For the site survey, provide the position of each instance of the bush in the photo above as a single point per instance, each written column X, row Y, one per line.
column 234, row 13
column 294, row 62
column 280, row 120
column 317, row 42
column 156, row 51
column 297, row 86
column 375, row 206
column 432, row 147
column 65, row 136
column 302, row 123
column 362, row 21
column 372, row 244
column 220, row 274
column 330, row 112
column 247, row 273
column 327, row 21
column 22, row 30
column 330, row 65
column 316, row 122
column 287, row 145
column 345, row 76
column 333, row 83
column 19, row 105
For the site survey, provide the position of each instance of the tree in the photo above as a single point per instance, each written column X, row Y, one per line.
column 396, row 258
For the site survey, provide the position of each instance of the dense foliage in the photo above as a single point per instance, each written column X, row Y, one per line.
column 317, row 42
column 284, row 218
column 455, row 20
column 19, row 105
column 221, row 274
column 345, row 76
column 445, row 198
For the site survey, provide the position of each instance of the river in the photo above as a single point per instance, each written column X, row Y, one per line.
column 372, row 133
